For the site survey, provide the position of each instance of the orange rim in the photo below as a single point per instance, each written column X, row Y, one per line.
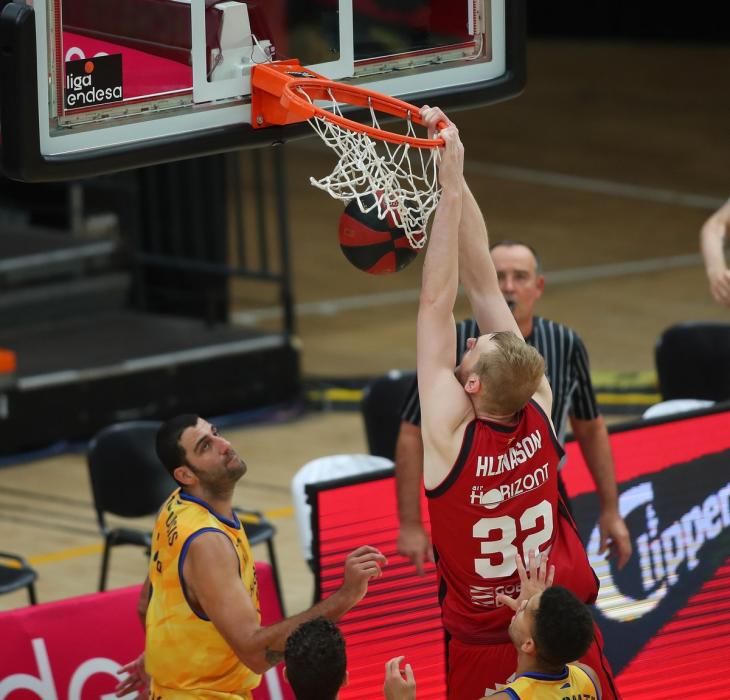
column 322, row 89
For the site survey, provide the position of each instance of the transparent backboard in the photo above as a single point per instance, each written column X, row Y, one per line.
column 132, row 82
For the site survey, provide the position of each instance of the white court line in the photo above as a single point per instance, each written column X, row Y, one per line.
column 571, row 182
column 330, row 307
column 595, row 185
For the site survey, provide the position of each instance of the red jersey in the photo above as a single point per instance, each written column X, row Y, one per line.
column 501, row 499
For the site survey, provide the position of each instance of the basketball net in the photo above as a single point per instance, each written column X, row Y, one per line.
column 395, row 173
column 398, row 179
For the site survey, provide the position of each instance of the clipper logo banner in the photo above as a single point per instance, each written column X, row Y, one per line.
column 93, row 81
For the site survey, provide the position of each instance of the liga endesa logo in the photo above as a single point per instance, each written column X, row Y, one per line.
column 93, row 81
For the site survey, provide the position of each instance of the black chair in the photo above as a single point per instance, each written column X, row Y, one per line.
column 692, row 361
column 17, row 573
column 381, row 408
column 129, row 481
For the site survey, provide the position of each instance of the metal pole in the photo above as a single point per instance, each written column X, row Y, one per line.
column 282, row 217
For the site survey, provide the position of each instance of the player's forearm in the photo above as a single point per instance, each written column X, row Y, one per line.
column 440, row 281
column 595, row 445
column 409, row 473
column 477, row 273
column 264, row 648
column 712, row 240
column 473, row 245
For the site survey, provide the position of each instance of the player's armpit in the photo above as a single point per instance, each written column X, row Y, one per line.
column 445, row 411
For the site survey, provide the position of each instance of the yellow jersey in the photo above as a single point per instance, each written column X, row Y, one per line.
column 573, row 683
column 185, row 655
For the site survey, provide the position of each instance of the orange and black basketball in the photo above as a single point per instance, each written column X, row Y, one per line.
column 377, row 246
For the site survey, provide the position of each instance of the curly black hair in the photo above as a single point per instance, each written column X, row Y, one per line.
column 315, row 660
column 563, row 627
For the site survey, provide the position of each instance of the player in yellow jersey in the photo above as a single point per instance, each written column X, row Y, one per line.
column 203, row 633
column 550, row 628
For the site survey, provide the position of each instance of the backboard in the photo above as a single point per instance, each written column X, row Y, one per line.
column 89, row 87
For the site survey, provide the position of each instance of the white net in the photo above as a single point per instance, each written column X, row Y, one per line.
column 401, row 180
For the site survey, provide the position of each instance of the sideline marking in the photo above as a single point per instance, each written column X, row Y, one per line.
column 330, row 307
column 595, row 185
column 66, row 554
column 565, row 181
column 98, row 547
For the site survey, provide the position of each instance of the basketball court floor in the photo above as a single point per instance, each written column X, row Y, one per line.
column 608, row 164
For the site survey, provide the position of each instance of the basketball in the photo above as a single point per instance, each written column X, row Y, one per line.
column 376, row 246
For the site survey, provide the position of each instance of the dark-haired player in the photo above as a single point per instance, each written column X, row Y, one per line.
column 204, row 638
column 550, row 629
column 315, row 662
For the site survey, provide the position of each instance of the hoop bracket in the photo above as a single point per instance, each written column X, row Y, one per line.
column 269, row 105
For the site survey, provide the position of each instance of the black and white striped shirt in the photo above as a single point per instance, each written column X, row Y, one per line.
column 567, row 370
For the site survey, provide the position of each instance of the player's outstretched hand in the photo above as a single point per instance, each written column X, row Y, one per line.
column 399, row 685
column 535, row 579
column 361, row 566
column 135, row 680
column 414, row 543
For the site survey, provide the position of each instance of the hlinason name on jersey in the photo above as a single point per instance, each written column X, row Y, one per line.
column 519, row 453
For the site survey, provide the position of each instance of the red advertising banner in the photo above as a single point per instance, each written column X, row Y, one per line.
column 72, row 649
column 665, row 617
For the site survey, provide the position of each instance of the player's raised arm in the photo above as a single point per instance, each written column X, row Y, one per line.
column 476, row 269
column 444, row 406
column 477, row 272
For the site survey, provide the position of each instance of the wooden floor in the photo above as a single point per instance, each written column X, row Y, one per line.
column 608, row 164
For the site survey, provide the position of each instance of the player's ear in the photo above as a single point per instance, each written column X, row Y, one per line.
column 540, row 284
column 184, row 475
column 346, row 679
column 528, row 647
column 284, row 673
column 473, row 384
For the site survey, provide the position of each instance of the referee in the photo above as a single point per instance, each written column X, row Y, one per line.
column 566, row 359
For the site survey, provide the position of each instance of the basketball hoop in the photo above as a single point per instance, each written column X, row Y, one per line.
column 397, row 173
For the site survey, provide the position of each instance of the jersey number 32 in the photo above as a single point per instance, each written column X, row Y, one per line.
column 499, row 535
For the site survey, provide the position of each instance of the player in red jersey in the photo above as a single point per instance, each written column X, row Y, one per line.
column 490, row 451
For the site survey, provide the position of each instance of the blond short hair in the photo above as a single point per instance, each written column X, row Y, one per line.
column 510, row 374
